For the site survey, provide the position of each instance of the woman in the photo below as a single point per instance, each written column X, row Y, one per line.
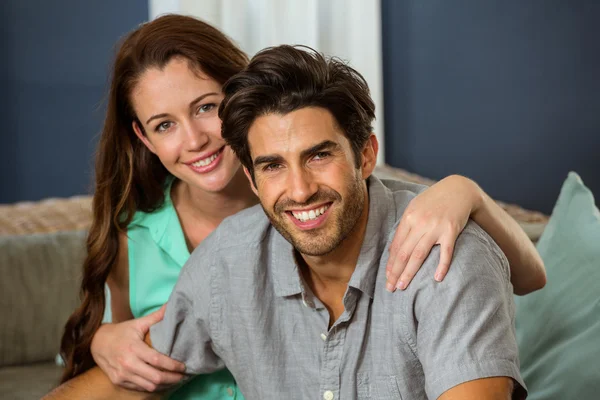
column 165, row 179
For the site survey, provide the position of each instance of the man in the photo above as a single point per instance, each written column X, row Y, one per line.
column 292, row 300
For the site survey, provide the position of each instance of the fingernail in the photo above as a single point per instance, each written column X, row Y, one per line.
column 389, row 287
column 401, row 285
column 438, row 277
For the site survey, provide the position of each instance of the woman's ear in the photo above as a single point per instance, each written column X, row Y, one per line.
column 138, row 132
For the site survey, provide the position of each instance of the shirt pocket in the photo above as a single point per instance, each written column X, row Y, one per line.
column 380, row 388
column 386, row 388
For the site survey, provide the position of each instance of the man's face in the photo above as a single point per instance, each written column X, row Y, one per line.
column 306, row 177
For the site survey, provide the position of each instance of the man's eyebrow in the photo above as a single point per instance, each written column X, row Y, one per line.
column 267, row 160
column 275, row 158
column 192, row 103
column 324, row 145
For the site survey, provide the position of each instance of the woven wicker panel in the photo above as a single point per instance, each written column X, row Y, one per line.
column 518, row 213
column 51, row 215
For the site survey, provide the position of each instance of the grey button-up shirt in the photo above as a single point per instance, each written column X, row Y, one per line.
column 241, row 302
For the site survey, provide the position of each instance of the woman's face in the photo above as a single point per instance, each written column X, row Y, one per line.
column 177, row 108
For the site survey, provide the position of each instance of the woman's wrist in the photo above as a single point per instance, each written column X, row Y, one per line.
column 472, row 192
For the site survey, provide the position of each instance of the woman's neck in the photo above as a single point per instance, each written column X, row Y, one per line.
column 213, row 207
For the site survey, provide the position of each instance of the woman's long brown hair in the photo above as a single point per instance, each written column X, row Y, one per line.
column 128, row 176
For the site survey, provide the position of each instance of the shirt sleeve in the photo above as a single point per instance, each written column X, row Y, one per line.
column 184, row 333
column 464, row 326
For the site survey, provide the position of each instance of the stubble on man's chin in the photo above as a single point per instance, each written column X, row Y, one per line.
column 343, row 227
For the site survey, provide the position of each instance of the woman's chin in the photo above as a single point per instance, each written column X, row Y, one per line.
column 213, row 184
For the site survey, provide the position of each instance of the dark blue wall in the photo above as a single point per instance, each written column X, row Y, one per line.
column 506, row 92
column 54, row 75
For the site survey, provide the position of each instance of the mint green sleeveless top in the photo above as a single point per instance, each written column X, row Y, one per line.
column 157, row 251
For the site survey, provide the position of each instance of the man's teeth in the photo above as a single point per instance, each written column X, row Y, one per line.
column 206, row 161
column 308, row 215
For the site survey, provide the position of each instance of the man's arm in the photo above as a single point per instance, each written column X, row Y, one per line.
column 95, row 385
column 183, row 334
column 497, row 388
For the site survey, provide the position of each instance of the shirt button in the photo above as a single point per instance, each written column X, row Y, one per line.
column 230, row 391
column 323, row 336
column 328, row 395
column 308, row 303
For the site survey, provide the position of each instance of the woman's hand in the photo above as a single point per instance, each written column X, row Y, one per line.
column 120, row 351
column 436, row 216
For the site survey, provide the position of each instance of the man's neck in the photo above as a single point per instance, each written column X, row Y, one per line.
column 328, row 276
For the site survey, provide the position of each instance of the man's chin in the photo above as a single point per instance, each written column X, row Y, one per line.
column 313, row 248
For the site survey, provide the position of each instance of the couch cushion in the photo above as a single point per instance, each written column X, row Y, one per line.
column 38, row 291
column 28, row 382
column 558, row 327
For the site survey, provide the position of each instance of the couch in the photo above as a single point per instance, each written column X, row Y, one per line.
column 42, row 247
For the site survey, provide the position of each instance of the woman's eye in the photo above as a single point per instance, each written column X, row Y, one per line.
column 205, row 108
column 163, row 126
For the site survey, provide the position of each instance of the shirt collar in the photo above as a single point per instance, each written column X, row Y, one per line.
column 285, row 269
column 381, row 220
column 165, row 228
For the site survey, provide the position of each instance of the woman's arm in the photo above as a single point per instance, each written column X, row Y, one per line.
column 118, row 348
column 526, row 266
column 439, row 214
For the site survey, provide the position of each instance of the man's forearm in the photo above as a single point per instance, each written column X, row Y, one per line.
column 95, row 385
column 497, row 388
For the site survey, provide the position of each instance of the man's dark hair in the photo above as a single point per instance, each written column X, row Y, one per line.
column 286, row 78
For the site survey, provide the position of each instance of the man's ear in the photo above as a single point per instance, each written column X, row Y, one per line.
column 251, row 180
column 138, row 132
column 369, row 156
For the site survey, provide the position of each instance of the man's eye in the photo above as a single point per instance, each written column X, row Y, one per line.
column 321, row 155
column 272, row 167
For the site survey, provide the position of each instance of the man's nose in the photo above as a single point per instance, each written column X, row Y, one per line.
column 302, row 185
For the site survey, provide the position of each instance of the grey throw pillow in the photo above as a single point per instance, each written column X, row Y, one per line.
column 40, row 276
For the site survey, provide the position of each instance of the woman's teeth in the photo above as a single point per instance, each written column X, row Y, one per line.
column 304, row 216
column 207, row 160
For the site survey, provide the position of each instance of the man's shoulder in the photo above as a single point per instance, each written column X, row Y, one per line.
column 476, row 257
column 395, row 185
column 401, row 192
column 246, row 228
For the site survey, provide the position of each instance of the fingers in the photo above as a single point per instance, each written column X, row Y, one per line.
column 139, row 384
column 417, row 257
column 137, row 375
column 150, row 378
column 158, row 360
column 446, row 252
column 154, row 317
column 403, row 256
column 399, row 237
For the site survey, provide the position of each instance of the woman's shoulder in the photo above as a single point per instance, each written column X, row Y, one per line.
column 156, row 217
